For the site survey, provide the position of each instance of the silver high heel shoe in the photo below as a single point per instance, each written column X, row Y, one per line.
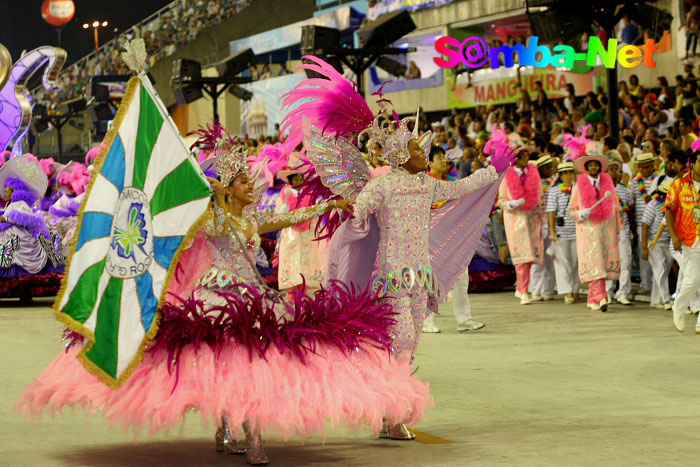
column 224, row 442
column 255, row 454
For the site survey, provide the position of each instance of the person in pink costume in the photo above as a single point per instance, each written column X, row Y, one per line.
column 595, row 210
column 301, row 258
column 241, row 355
column 392, row 241
column 519, row 198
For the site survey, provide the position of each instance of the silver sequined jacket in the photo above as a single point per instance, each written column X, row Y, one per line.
column 401, row 202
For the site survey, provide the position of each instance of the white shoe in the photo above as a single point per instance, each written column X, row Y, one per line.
column 679, row 321
column 547, row 298
column 470, row 325
column 594, row 306
column 695, row 311
column 431, row 328
column 537, row 298
column 657, row 305
column 668, row 306
column 525, row 299
column 517, row 294
column 623, row 299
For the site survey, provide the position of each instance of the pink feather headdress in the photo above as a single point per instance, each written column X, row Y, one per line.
column 499, row 139
column 48, row 165
column 333, row 105
column 75, row 177
column 576, row 144
column 270, row 160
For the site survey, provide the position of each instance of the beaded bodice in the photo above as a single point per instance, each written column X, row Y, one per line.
column 225, row 239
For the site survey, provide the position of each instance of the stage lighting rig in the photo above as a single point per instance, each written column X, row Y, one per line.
column 189, row 85
column 374, row 39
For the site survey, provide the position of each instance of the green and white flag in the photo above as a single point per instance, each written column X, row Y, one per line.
column 146, row 197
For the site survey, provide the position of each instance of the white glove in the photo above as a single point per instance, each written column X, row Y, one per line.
column 515, row 203
column 584, row 213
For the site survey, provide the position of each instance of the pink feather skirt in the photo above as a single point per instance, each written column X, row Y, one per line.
column 277, row 394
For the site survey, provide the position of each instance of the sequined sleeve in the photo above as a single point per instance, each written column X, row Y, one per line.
column 454, row 190
column 215, row 225
column 369, row 201
column 270, row 222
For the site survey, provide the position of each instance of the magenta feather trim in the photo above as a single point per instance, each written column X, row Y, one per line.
column 604, row 210
column 209, row 135
column 337, row 316
column 531, row 190
column 333, row 105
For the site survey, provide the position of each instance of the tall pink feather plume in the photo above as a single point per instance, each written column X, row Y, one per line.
column 332, row 105
column 271, row 159
column 498, row 140
column 48, row 166
column 77, row 178
column 576, row 144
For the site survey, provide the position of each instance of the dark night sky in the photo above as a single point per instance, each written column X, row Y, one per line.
column 22, row 27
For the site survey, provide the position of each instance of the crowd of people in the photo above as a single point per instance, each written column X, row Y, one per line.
column 658, row 129
column 181, row 23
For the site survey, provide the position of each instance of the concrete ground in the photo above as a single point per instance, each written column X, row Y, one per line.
column 545, row 384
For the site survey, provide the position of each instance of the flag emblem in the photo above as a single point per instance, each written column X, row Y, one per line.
column 147, row 197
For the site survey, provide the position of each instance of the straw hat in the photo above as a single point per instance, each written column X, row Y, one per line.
column 544, row 160
column 644, row 158
column 614, row 157
column 580, row 162
column 663, row 188
column 565, row 167
column 294, row 167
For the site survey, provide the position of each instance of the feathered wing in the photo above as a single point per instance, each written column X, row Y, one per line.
column 332, row 104
column 338, row 163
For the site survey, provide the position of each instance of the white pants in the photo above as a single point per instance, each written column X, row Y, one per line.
column 625, row 288
column 542, row 275
column 460, row 302
column 690, row 298
column 661, row 262
column 645, row 274
column 566, row 266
